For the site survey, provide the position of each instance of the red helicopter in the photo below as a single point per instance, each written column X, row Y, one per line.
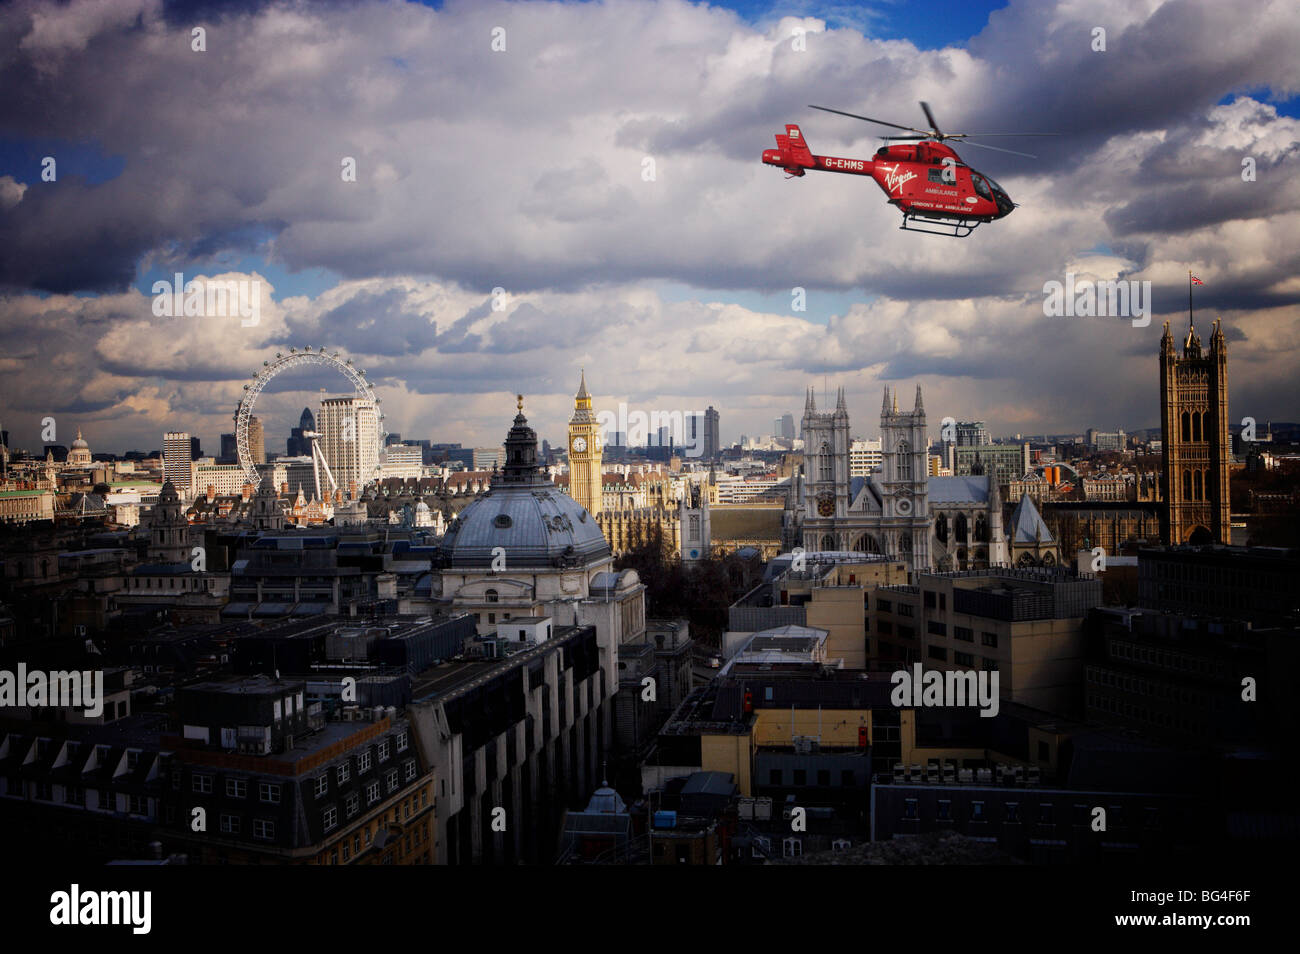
column 928, row 180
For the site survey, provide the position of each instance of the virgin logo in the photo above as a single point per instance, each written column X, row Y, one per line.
column 895, row 180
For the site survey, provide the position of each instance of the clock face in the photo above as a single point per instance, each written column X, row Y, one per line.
column 579, row 444
column 904, row 506
column 826, row 506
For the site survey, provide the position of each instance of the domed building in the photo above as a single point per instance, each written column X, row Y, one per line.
column 79, row 455
column 525, row 549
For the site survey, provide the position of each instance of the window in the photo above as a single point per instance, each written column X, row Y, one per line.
column 202, row 784
column 977, row 812
column 964, row 633
column 906, row 609
column 929, row 599
column 383, row 750
column 937, row 652
column 372, row 793
column 963, row 659
column 884, row 606
column 910, row 808
column 907, row 632
column 263, row 830
column 1013, row 813
column 402, row 742
column 990, row 665
column 989, row 639
column 345, row 772
column 236, row 788
column 230, row 824
column 137, row 805
column 491, row 596
column 269, row 792
column 944, row 810
column 351, row 804
column 329, row 819
column 322, row 785
column 1045, row 814
column 409, row 770
column 935, row 628
column 363, row 762
column 390, row 780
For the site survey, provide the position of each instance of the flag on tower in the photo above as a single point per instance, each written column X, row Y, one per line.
column 1195, row 280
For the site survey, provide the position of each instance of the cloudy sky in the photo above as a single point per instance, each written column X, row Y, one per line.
column 524, row 169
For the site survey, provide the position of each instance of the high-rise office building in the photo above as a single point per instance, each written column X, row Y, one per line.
column 1195, row 451
column 787, row 426
column 712, row 442
column 229, row 449
column 972, row 434
column 864, row 457
column 178, row 462
column 349, row 440
column 196, row 448
column 297, row 445
column 256, row 440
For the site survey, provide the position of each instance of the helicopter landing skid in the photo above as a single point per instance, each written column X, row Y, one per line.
column 952, row 228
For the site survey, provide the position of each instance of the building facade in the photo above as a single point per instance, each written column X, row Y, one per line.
column 1196, row 452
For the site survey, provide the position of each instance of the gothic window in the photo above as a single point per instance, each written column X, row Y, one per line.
column 905, row 543
column 866, row 544
column 1205, row 426
column 695, row 527
column 828, row 542
column 827, row 463
column 1197, row 482
column 904, row 461
column 1186, row 426
column 981, row 529
column 941, row 528
column 1196, row 426
column 961, row 528
column 1187, row 485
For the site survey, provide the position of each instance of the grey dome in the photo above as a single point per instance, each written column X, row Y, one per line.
column 524, row 513
column 536, row 526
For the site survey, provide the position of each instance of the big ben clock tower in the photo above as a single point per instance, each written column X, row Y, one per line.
column 584, row 452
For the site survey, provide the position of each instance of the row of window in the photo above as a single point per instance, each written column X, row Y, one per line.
column 940, row 654
column 1116, row 815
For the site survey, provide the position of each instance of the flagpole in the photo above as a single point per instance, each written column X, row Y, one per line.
column 1190, row 322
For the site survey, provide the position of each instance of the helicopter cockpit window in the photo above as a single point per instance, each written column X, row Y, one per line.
column 996, row 187
column 981, row 186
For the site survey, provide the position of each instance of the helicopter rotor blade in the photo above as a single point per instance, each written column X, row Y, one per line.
column 930, row 118
column 998, row 149
column 916, row 138
column 982, row 135
column 880, row 122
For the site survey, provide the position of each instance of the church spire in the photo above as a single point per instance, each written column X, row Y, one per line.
column 919, row 405
column 884, row 403
column 582, row 394
column 841, row 402
column 809, row 402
